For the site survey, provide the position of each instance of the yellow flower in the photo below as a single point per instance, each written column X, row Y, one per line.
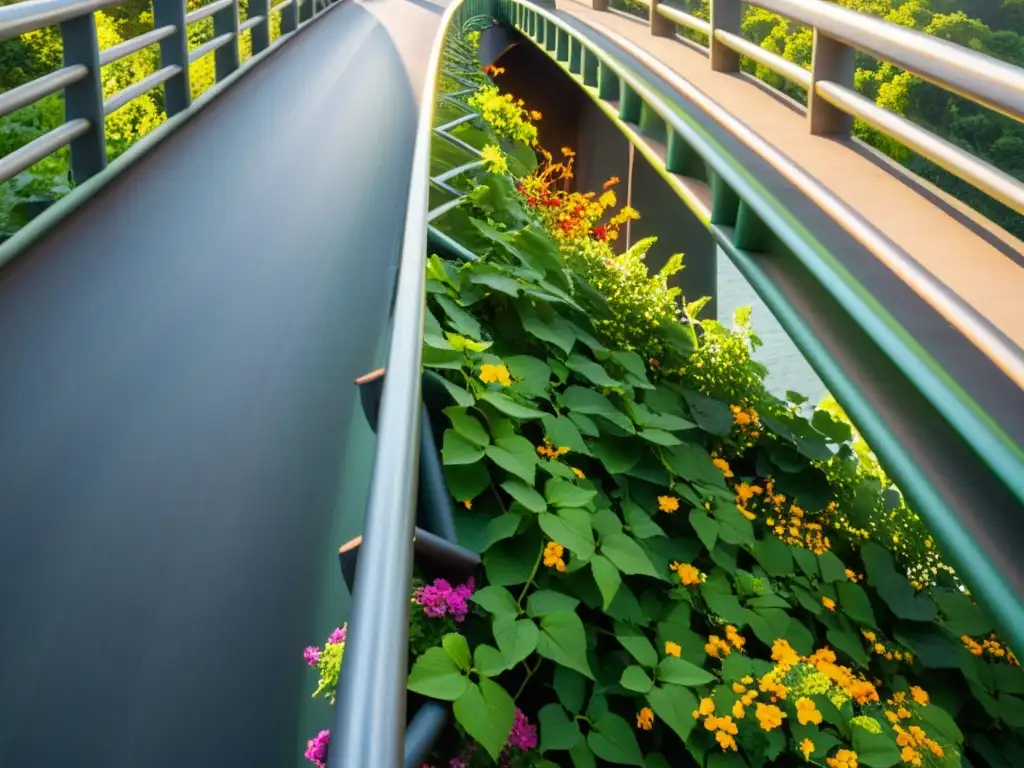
column 723, row 465
column 869, row 636
column 494, row 159
column 829, row 603
column 769, row 716
column 673, row 649
column 688, row 574
column 578, row 473
column 716, row 647
column 468, row 504
column 707, row 707
column 919, row 694
column 783, row 653
column 535, row 115
column 806, row 748
column 734, row 637
column 668, row 504
column 607, row 199
column 739, row 688
column 553, row 556
column 806, row 712
column 910, row 755
column 645, row 719
column 844, row 758
column 737, row 710
column 725, row 741
column 491, row 374
column 567, row 152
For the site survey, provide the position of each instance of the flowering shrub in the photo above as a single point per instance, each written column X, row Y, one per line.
column 669, row 559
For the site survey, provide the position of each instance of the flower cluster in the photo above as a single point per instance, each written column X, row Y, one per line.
column 553, row 553
column 688, row 574
column 494, row 159
column 668, row 504
column 992, row 647
column 548, row 451
column 724, row 728
column 504, row 114
column 317, row 749
column 441, row 599
column 523, row 735
column 645, row 719
column 328, row 662
column 495, row 374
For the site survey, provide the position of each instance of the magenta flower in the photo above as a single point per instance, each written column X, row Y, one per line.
column 523, row 735
column 311, row 655
column 338, row 635
column 457, row 763
column 316, row 749
column 441, row 599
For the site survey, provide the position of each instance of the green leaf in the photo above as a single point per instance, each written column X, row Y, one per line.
column 556, row 332
column 436, row 675
column 705, row 526
column 581, row 756
column 489, row 661
column 875, row 750
column 728, row 607
column 614, row 740
column 855, row 603
column 635, row 679
column 659, row 437
column 962, row 617
column 571, row 529
column 711, row 415
column 736, row 666
column 591, row 403
column 832, row 568
column 510, row 561
column 456, row 449
column 563, row 433
column 496, row 600
column 681, row 672
column 894, row 588
column 673, row 705
column 516, row 455
column 626, row 555
column 557, row 731
column 618, row 456
column 637, row 644
column 525, row 495
column 459, row 319
column 564, row 641
column 836, row 431
column 639, row 522
column 443, row 358
column 545, row 601
column 467, row 426
column 530, row 375
column 516, row 639
column 942, row 722
column 774, row 556
column 591, row 371
column 733, row 528
column 495, row 278
column 850, row 644
column 607, row 577
column 510, row 407
column 487, row 713
column 693, row 463
column 807, row 560
column 456, row 646
column 571, row 688
column 563, row 494
column 466, row 481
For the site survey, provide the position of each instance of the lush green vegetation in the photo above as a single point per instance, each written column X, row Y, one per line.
column 993, row 27
column 38, row 53
column 677, row 565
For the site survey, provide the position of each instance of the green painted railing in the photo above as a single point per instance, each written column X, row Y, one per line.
column 80, row 76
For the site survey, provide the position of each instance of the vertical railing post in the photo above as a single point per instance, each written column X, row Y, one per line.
column 305, row 10
column 289, row 17
column 261, row 32
column 599, row 5
column 174, row 52
column 833, row 61
column 726, row 15
column 661, row 26
column 226, row 57
column 84, row 99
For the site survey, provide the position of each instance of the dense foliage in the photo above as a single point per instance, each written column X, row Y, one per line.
column 672, row 569
column 37, row 53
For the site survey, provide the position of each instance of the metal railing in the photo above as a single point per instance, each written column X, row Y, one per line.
column 80, row 78
column 832, row 101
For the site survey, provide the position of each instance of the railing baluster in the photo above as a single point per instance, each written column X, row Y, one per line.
column 726, row 15
column 661, row 26
column 290, row 17
column 261, row 32
column 833, row 61
column 227, row 56
column 84, row 99
column 174, row 52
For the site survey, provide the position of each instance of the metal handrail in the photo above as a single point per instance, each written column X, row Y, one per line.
column 80, row 78
column 832, row 100
column 617, row 88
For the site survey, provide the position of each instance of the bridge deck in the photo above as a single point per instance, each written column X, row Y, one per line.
column 978, row 261
column 177, row 362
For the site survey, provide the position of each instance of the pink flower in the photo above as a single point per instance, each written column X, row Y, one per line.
column 523, row 735
column 311, row 655
column 440, row 599
column 317, row 748
column 338, row 635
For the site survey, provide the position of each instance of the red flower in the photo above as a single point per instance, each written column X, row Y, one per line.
column 600, row 233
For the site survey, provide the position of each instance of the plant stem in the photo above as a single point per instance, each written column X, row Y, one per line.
column 529, row 674
column 533, row 574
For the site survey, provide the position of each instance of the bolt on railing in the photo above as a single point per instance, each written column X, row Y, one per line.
column 832, row 100
column 80, row 77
